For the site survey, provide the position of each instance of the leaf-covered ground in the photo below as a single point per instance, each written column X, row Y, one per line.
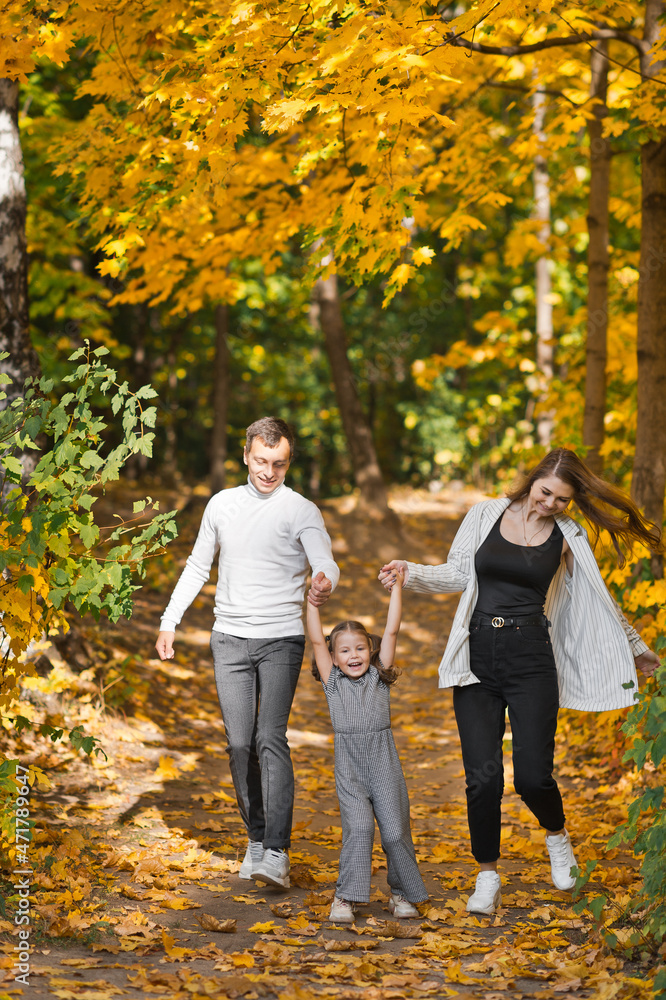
column 135, row 890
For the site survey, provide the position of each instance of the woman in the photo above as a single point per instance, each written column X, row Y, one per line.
column 521, row 561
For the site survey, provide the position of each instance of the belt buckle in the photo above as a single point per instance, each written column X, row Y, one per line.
column 497, row 622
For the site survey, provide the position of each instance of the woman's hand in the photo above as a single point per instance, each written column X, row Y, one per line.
column 647, row 662
column 395, row 570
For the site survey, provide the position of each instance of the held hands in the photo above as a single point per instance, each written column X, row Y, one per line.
column 394, row 572
column 647, row 662
column 164, row 645
column 320, row 590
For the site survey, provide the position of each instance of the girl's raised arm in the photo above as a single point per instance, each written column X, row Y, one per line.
column 390, row 637
column 319, row 647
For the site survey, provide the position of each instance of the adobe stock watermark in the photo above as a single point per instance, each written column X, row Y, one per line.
column 22, row 873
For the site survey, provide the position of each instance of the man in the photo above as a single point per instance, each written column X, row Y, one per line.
column 266, row 535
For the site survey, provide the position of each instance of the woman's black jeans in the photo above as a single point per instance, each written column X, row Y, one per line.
column 516, row 669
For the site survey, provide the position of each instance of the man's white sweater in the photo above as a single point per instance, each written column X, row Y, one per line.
column 265, row 543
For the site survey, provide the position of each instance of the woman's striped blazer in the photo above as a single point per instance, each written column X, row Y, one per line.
column 593, row 644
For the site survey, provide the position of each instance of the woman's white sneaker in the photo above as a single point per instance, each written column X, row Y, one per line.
column 342, row 911
column 562, row 860
column 253, row 858
column 401, row 907
column 487, row 895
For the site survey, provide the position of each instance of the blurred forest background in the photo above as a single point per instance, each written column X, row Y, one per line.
column 413, row 232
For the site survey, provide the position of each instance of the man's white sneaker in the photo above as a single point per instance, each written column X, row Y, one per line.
column 562, row 860
column 487, row 895
column 401, row 907
column 342, row 911
column 273, row 869
column 253, row 858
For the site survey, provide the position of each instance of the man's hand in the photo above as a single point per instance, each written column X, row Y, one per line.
column 164, row 645
column 320, row 590
column 647, row 662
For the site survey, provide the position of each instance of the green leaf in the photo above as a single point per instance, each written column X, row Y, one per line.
column 85, row 743
column 12, row 465
column 91, row 460
column 146, row 392
column 659, row 749
column 54, row 734
column 89, row 534
column 144, row 445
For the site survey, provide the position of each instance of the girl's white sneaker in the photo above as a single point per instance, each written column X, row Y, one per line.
column 342, row 911
column 401, row 907
column 487, row 895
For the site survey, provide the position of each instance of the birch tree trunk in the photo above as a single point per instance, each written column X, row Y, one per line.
column 221, row 382
column 14, row 319
column 649, row 475
column 597, row 263
column 367, row 473
column 544, row 308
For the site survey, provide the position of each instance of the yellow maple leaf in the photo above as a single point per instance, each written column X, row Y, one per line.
column 211, row 923
column 268, row 928
column 168, row 769
column 172, row 950
column 422, row 255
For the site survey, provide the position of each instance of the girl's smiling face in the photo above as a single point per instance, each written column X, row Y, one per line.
column 351, row 654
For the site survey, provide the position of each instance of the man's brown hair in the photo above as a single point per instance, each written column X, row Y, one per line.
column 271, row 430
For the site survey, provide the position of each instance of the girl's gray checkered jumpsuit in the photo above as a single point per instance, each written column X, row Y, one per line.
column 370, row 784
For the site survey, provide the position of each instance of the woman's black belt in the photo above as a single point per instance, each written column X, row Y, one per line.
column 497, row 621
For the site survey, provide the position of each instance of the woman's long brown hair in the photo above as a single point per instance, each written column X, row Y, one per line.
column 388, row 674
column 603, row 505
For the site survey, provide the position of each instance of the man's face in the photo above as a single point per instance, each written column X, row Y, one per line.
column 266, row 466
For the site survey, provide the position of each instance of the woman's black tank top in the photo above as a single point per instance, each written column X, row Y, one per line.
column 514, row 579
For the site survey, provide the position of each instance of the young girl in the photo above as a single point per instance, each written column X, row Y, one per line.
column 356, row 669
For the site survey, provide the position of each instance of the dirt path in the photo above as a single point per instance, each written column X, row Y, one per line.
column 150, row 839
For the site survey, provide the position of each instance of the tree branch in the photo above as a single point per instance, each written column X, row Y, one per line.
column 544, row 90
column 548, row 43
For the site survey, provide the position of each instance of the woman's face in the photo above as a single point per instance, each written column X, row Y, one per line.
column 550, row 495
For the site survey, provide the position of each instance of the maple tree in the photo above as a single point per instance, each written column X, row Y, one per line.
column 322, row 151
column 646, row 95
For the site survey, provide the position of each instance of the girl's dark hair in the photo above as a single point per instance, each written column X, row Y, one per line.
column 598, row 501
column 388, row 674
